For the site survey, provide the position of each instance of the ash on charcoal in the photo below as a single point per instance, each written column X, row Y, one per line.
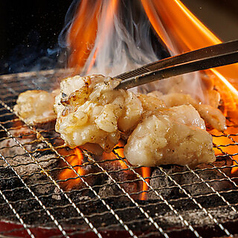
column 109, row 189
column 24, row 165
column 26, row 159
column 10, row 148
column 8, row 179
column 162, row 184
column 32, row 176
column 111, row 177
column 197, row 217
column 99, row 214
column 56, row 194
column 206, row 177
column 126, row 181
column 40, row 184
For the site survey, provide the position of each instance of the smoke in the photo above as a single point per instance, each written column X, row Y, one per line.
column 124, row 40
column 126, row 46
column 33, row 56
column 69, row 18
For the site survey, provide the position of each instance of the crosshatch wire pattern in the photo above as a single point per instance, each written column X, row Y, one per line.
column 34, row 200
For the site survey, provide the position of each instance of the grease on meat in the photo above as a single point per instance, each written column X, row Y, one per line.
column 90, row 111
column 172, row 136
column 158, row 130
column 213, row 116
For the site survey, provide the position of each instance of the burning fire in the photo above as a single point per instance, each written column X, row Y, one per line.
column 93, row 28
column 80, row 40
column 175, row 25
column 116, row 158
column 184, row 32
column 146, row 172
column 100, row 38
column 188, row 33
column 117, row 154
column 75, row 160
column 85, row 27
column 222, row 140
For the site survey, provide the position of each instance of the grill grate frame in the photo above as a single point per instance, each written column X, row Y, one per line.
column 166, row 216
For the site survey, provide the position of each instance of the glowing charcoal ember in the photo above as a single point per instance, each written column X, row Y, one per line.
column 117, row 154
column 226, row 142
column 76, row 162
column 146, row 173
column 76, row 170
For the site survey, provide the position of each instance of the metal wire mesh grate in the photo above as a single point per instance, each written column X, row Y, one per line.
column 107, row 199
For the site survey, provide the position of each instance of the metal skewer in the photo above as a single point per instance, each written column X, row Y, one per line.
column 205, row 58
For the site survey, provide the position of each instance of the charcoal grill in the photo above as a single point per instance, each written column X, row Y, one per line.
column 181, row 201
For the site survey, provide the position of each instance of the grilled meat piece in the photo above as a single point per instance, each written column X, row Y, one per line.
column 35, row 107
column 89, row 110
column 211, row 115
column 171, row 136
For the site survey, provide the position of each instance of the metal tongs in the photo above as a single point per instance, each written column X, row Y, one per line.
column 205, row 58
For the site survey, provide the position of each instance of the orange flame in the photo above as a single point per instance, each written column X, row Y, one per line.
column 184, row 32
column 234, row 169
column 145, row 174
column 82, row 33
column 177, row 27
column 227, row 145
column 145, row 171
column 119, row 150
column 109, row 12
column 75, row 161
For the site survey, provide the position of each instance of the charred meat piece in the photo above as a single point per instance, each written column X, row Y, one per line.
column 89, row 110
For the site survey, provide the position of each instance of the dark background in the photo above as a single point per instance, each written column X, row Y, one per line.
column 29, row 29
column 221, row 16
